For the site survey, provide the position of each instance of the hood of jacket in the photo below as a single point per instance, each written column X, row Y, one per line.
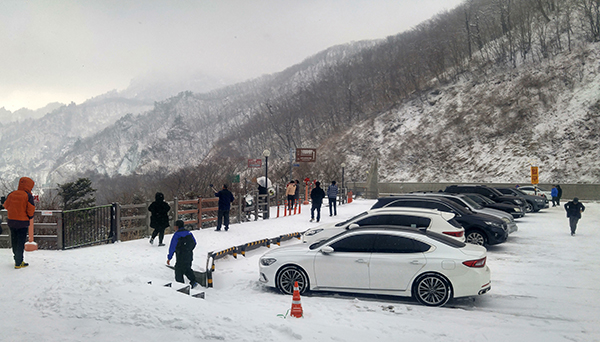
column 26, row 184
column 159, row 197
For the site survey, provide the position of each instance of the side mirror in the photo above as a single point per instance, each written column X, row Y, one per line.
column 326, row 250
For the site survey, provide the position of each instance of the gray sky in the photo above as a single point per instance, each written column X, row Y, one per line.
column 58, row 50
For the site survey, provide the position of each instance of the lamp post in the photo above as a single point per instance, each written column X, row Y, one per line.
column 343, row 191
column 267, row 153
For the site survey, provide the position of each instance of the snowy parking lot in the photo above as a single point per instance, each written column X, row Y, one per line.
column 544, row 288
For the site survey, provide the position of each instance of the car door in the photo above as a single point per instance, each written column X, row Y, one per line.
column 395, row 261
column 348, row 265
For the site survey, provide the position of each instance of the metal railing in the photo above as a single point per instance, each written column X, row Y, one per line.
column 88, row 226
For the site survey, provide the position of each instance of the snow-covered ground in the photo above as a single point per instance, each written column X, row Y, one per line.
column 545, row 287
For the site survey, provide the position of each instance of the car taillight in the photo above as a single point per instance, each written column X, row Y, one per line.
column 456, row 234
column 475, row 263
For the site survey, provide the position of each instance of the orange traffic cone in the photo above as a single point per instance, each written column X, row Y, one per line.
column 296, row 306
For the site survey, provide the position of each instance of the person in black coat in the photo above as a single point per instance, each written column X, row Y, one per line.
column 559, row 194
column 225, row 200
column 574, row 209
column 316, row 195
column 159, row 220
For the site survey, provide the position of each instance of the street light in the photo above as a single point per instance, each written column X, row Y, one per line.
column 343, row 191
column 267, row 153
column 343, row 166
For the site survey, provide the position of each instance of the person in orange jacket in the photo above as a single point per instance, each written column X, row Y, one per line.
column 20, row 207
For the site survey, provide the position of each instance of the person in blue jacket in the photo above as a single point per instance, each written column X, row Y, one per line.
column 225, row 200
column 554, row 194
column 182, row 246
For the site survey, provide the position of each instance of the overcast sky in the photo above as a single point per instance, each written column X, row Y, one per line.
column 67, row 51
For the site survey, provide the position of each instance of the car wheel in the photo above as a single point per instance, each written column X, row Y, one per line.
column 287, row 276
column 432, row 290
column 528, row 207
column 476, row 237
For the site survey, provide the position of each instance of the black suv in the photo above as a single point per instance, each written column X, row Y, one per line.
column 480, row 229
column 532, row 203
column 488, row 192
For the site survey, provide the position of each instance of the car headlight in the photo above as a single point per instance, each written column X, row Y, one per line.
column 313, row 232
column 540, row 200
column 267, row 261
column 494, row 224
column 517, row 210
column 519, row 202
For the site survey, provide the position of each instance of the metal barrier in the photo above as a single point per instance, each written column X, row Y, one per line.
column 89, row 226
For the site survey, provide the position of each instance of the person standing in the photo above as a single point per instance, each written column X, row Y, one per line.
column 297, row 193
column 559, row 194
column 316, row 195
column 290, row 191
column 554, row 194
column 574, row 209
column 182, row 245
column 225, row 199
column 159, row 218
column 332, row 192
column 20, row 207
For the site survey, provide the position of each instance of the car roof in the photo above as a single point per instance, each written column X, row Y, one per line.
column 421, row 232
column 382, row 202
column 410, row 211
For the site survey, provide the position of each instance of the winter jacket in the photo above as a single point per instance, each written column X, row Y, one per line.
column 332, row 191
column 160, row 212
column 316, row 195
column 225, row 199
column 559, row 191
column 574, row 209
column 554, row 192
column 297, row 193
column 182, row 245
column 19, row 204
column 291, row 189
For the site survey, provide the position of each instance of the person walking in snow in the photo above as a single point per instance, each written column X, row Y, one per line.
column 290, row 191
column 554, row 194
column 182, row 246
column 20, row 207
column 559, row 194
column 159, row 218
column 574, row 209
column 225, row 199
column 316, row 195
column 332, row 192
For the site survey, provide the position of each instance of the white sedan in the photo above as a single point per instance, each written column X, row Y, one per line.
column 427, row 219
column 409, row 262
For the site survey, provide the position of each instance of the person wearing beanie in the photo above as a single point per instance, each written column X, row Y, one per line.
column 159, row 219
column 20, row 207
column 316, row 195
column 574, row 209
column 182, row 246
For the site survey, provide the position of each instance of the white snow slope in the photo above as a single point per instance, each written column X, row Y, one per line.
column 544, row 288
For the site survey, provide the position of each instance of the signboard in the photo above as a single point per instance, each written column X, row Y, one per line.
column 307, row 155
column 234, row 178
column 534, row 175
column 46, row 212
column 254, row 163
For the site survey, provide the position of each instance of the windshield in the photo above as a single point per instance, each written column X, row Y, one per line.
column 520, row 192
column 351, row 219
column 471, row 202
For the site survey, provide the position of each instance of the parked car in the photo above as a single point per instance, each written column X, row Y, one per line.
column 535, row 190
column 480, row 229
column 534, row 203
column 468, row 203
column 488, row 192
column 431, row 267
column 430, row 219
column 512, row 209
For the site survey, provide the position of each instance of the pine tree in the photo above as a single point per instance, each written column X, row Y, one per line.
column 78, row 194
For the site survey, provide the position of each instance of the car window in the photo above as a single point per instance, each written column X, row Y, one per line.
column 505, row 191
column 455, row 223
column 396, row 220
column 471, row 202
column 351, row 219
column 398, row 244
column 362, row 243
